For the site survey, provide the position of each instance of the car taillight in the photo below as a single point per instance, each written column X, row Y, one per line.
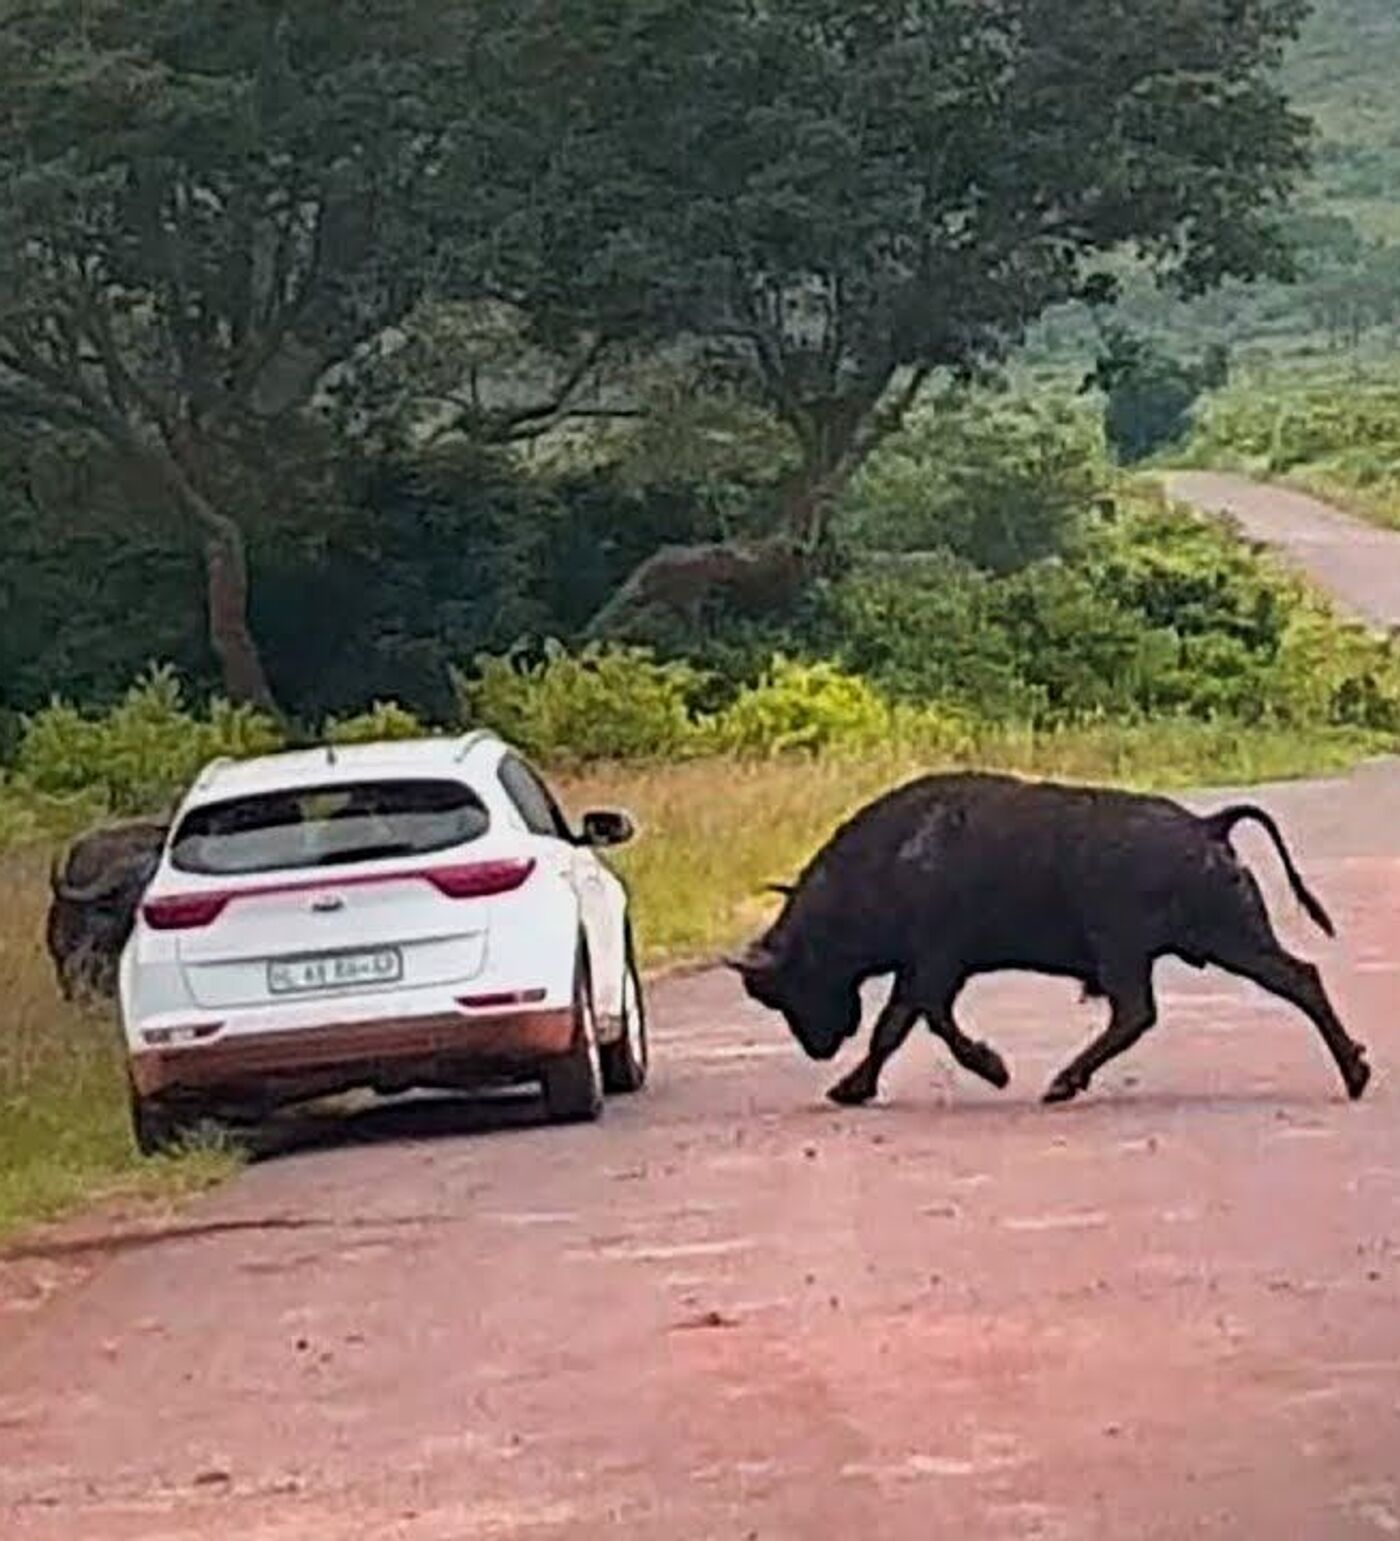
column 184, row 912
column 471, row 880
column 478, row 880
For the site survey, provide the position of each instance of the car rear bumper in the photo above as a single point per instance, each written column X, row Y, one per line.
column 444, row 1049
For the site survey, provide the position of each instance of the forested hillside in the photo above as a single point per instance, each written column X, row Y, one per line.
column 1345, row 73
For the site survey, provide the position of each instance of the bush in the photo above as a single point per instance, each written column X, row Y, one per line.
column 1083, row 656
column 385, row 721
column 1160, row 612
column 924, row 631
column 1149, row 396
column 141, row 755
column 801, row 707
column 1000, row 482
column 29, row 818
column 603, row 703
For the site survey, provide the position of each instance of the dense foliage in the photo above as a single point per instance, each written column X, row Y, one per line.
column 1149, row 394
column 1057, row 597
column 248, row 253
column 1345, row 231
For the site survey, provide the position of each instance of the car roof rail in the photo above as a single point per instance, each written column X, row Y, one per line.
column 470, row 741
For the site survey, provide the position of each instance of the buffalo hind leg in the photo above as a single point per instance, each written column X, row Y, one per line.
column 1295, row 980
column 894, row 1026
column 1134, row 1012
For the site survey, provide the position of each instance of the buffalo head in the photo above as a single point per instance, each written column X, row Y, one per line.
column 822, row 1011
column 96, row 890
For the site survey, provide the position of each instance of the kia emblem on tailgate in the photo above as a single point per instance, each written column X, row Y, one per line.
column 327, row 904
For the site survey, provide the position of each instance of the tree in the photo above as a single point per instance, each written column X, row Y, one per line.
column 205, row 205
column 1150, row 396
column 829, row 202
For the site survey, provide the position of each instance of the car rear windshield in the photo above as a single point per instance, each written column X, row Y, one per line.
column 327, row 826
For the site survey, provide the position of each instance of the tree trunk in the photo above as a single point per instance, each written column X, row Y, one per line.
column 226, row 581
column 756, row 576
column 840, row 435
column 245, row 680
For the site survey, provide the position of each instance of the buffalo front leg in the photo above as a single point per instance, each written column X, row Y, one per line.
column 1134, row 1011
column 980, row 1058
column 893, row 1027
column 1294, row 980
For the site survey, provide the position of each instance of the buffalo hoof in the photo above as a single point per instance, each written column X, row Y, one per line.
column 984, row 1061
column 853, row 1092
column 1061, row 1089
column 1357, row 1075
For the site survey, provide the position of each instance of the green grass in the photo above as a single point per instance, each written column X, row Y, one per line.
column 64, row 1137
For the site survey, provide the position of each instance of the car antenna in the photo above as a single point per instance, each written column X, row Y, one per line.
column 330, row 754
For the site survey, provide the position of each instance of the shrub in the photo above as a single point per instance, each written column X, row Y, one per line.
column 143, row 753
column 28, row 817
column 1081, row 654
column 1149, row 396
column 801, row 707
column 603, row 703
column 924, row 631
column 385, row 721
column 1000, row 482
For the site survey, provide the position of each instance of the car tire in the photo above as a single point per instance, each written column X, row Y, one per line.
column 573, row 1083
column 625, row 1062
column 157, row 1129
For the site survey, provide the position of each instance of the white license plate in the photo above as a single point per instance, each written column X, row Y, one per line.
column 335, row 971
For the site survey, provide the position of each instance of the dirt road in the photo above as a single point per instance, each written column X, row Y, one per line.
column 731, row 1311
column 1358, row 563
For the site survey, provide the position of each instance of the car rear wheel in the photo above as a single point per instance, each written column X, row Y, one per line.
column 158, row 1130
column 573, row 1084
column 625, row 1061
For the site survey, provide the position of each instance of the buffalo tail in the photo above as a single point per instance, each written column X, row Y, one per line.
column 1221, row 825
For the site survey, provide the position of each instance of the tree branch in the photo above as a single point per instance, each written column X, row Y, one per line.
column 525, row 423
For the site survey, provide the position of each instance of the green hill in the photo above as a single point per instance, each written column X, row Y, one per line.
column 1345, row 74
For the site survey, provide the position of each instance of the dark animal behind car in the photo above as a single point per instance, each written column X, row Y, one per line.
column 954, row 876
column 95, row 891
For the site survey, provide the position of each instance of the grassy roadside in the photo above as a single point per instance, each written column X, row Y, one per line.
column 64, row 1139
column 1378, row 504
column 715, row 832
column 1332, row 432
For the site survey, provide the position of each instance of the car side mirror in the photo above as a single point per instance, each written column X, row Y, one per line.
column 606, row 827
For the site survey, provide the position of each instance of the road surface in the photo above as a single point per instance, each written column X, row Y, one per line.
column 733, row 1312
column 1356, row 561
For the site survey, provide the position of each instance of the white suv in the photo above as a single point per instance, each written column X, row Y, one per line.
column 388, row 916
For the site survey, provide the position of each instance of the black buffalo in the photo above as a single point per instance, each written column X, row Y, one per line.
column 959, row 875
column 96, row 889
